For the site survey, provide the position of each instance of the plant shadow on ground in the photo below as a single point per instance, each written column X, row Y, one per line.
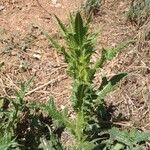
column 31, row 125
column 23, row 125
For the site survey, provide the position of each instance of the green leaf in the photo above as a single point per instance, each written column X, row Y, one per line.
column 1, row 102
column 62, row 27
column 80, row 125
column 130, row 139
column 120, row 136
column 79, row 29
column 60, row 118
column 101, row 61
column 108, row 86
column 85, row 145
column 116, row 78
column 52, row 110
column 23, row 90
column 6, row 141
column 118, row 146
column 104, row 83
column 142, row 136
column 66, row 54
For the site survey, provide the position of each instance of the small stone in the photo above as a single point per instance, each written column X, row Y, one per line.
column 2, row 7
column 14, row 53
column 62, row 107
column 37, row 56
column 58, row 5
column 54, row 2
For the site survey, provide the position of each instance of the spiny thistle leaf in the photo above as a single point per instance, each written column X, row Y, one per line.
column 142, row 136
column 20, row 94
column 62, row 26
column 100, row 61
column 130, row 139
column 116, row 78
column 108, row 86
column 79, row 29
column 104, row 83
column 60, row 118
column 53, row 112
column 120, row 136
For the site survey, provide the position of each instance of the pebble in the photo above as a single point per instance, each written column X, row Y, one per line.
column 58, row 5
column 37, row 56
column 54, row 2
column 2, row 7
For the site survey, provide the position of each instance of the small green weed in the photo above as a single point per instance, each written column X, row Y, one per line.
column 22, row 124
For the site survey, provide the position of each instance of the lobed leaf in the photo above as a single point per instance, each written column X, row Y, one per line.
column 79, row 29
column 142, row 136
column 108, row 86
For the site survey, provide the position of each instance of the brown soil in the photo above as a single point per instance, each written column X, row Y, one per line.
column 26, row 53
column 22, row 43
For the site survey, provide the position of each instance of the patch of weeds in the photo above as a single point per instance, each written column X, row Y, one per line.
column 139, row 15
column 89, row 128
column 26, row 42
column 23, row 44
column 91, row 6
column 22, row 124
column 139, row 12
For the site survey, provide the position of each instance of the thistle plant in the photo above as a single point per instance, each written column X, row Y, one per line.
column 23, row 125
column 87, row 101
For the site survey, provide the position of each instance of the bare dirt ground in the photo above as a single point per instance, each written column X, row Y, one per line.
column 25, row 52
